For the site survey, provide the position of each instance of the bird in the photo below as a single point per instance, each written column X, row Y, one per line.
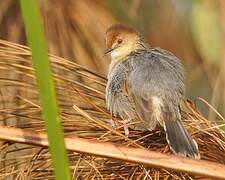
column 149, row 84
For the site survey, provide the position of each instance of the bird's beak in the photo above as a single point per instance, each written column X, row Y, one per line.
column 108, row 50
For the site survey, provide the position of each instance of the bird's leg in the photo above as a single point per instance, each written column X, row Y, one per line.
column 125, row 126
column 112, row 123
column 126, row 130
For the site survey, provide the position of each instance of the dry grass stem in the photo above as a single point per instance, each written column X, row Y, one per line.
column 122, row 153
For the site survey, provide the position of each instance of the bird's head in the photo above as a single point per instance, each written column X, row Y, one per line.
column 120, row 41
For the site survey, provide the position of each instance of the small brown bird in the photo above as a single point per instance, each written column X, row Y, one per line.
column 148, row 84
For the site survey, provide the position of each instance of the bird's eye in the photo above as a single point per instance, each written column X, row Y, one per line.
column 119, row 41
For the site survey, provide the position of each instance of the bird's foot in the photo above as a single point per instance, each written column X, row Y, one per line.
column 125, row 123
column 126, row 130
column 125, row 126
column 113, row 123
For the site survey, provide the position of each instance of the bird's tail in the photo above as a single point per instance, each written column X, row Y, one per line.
column 179, row 140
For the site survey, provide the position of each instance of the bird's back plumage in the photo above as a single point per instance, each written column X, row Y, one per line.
column 155, row 89
column 156, row 81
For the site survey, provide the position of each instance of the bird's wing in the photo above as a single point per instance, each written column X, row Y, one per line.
column 157, row 78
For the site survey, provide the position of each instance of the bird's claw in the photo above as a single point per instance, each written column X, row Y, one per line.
column 126, row 130
column 112, row 123
column 125, row 125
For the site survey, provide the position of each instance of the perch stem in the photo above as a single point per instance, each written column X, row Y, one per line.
column 109, row 150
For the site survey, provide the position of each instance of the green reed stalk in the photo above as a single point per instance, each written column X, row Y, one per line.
column 50, row 111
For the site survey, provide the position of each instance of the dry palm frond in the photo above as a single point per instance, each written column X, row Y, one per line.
column 109, row 150
column 19, row 106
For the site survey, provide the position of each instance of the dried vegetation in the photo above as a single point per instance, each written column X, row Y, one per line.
column 79, row 87
column 74, row 30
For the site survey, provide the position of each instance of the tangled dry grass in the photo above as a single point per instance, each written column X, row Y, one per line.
column 80, row 88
